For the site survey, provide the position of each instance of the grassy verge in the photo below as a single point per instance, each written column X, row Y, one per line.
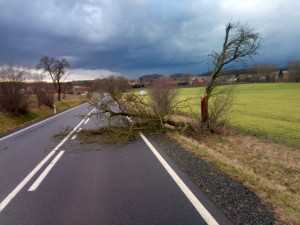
column 270, row 170
column 8, row 123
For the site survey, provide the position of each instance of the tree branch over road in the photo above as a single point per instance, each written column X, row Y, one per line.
column 150, row 112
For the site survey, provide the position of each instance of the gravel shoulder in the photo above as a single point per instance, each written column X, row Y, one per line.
column 237, row 201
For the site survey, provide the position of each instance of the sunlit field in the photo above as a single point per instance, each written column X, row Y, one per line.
column 269, row 110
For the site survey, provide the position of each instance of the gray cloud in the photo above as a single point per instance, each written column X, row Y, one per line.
column 136, row 37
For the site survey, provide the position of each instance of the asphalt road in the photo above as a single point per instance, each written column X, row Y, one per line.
column 47, row 180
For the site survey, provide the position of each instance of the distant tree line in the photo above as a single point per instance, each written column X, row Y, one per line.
column 19, row 84
column 257, row 73
column 141, row 85
column 294, row 71
column 17, row 87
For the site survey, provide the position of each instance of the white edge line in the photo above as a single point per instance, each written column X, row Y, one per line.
column 188, row 193
column 209, row 219
column 40, row 179
column 17, row 189
column 26, row 128
column 193, row 199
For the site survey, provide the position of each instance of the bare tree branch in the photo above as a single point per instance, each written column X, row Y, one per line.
column 56, row 70
column 153, row 110
column 240, row 44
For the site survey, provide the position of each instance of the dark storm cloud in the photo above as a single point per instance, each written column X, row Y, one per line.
column 135, row 37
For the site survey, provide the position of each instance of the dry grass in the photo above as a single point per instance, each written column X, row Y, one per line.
column 270, row 170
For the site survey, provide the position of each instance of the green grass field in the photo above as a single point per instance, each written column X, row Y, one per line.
column 269, row 110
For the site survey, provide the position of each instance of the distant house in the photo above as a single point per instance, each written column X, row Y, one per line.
column 29, row 90
column 232, row 80
column 174, row 83
column 134, row 83
column 26, row 90
column 80, row 90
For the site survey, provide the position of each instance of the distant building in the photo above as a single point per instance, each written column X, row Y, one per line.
column 29, row 90
column 80, row 90
column 134, row 83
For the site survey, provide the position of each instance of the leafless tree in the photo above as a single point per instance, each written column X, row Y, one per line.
column 14, row 98
column 240, row 44
column 112, row 89
column 163, row 98
column 115, row 86
column 294, row 71
column 56, row 69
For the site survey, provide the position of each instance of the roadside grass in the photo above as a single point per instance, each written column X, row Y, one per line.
column 268, row 110
column 261, row 150
column 8, row 123
column 270, row 170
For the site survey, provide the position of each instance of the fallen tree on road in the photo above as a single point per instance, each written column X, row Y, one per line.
column 119, row 107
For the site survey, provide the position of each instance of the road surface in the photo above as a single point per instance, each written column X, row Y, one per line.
column 50, row 180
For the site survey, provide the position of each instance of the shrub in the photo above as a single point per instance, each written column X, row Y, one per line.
column 44, row 95
column 14, row 98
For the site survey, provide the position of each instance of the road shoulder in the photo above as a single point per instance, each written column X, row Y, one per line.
column 237, row 201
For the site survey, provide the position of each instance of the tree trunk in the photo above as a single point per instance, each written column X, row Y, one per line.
column 204, row 109
column 58, row 93
column 216, row 73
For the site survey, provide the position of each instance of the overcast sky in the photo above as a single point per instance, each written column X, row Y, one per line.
column 138, row 37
